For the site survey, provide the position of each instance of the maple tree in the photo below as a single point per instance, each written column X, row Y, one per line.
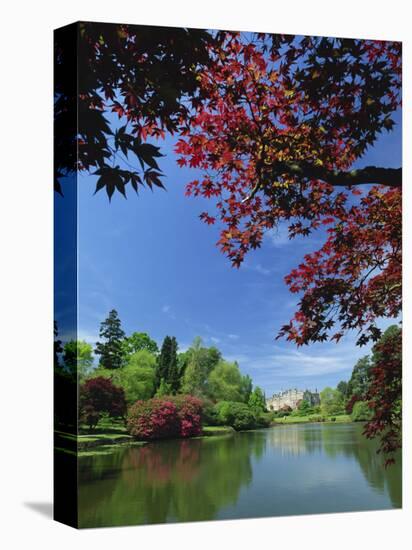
column 281, row 122
column 97, row 396
column 384, row 395
column 275, row 123
column 141, row 75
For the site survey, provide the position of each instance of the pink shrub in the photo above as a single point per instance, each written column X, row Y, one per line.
column 171, row 416
column 189, row 412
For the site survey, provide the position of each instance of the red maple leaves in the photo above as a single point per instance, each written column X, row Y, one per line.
column 355, row 278
column 271, row 105
column 385, row 394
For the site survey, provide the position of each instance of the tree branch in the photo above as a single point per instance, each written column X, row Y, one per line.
column 391, row 177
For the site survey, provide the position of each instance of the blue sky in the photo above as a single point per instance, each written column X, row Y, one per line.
column 156, row 263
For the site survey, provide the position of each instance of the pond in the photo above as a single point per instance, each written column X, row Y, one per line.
column 284, row 470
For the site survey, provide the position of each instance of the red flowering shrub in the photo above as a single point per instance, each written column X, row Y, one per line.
column 153, row 419
column 99, row 395
column 189, row 412
column 159, row 418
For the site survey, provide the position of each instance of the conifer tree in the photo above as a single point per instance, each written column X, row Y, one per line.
column 111, row 350
column 167, row 366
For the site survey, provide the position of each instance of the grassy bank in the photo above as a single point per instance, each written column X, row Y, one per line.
column 217, row 430
column 111, row 435
column 312, row 418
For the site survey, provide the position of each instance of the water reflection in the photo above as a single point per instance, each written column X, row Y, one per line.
column 187, row 480
column 250, row 473
column 344, row 440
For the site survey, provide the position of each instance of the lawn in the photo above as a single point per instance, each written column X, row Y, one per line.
column 304, row 419
column 217, row 430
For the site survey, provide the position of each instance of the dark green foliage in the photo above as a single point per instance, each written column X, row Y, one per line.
column 111, row 349
column 374, row 392
column 139, row 341
column 263, row 420
column 78, row 357
column 208, row 413
column 384, row 394
column 359, row 381
column 246, row 388
column 304, row 409
column 139, row 71
column 284, row 411
column 167, row 365
column 331, row 402
column 342, row 387
column 317, row 418
column 237, row 415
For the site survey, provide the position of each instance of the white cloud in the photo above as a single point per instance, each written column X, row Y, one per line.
column 233, row 336
column 297, row 363
column 259, row 268
column 278, row 236
column 166, row 309
column 215, row 340
column 287, row 365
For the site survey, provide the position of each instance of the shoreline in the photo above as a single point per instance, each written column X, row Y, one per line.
column 91, row 444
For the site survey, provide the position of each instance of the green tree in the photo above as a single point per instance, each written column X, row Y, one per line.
column 359, row 380
column 198, row 364
column 210, row 357
column 78, row 357
column 246, row 388
column 225, row 382
column 139, row 341
column 111, row 349
column 331, row 401
column 167, row 365
column 137, row 377
column 235, row 414
column 193, row 380
column 384, row 395
column 164, row 388
column 304, row 408
column 361, row 412
column 343, row 388
column 257, row 401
